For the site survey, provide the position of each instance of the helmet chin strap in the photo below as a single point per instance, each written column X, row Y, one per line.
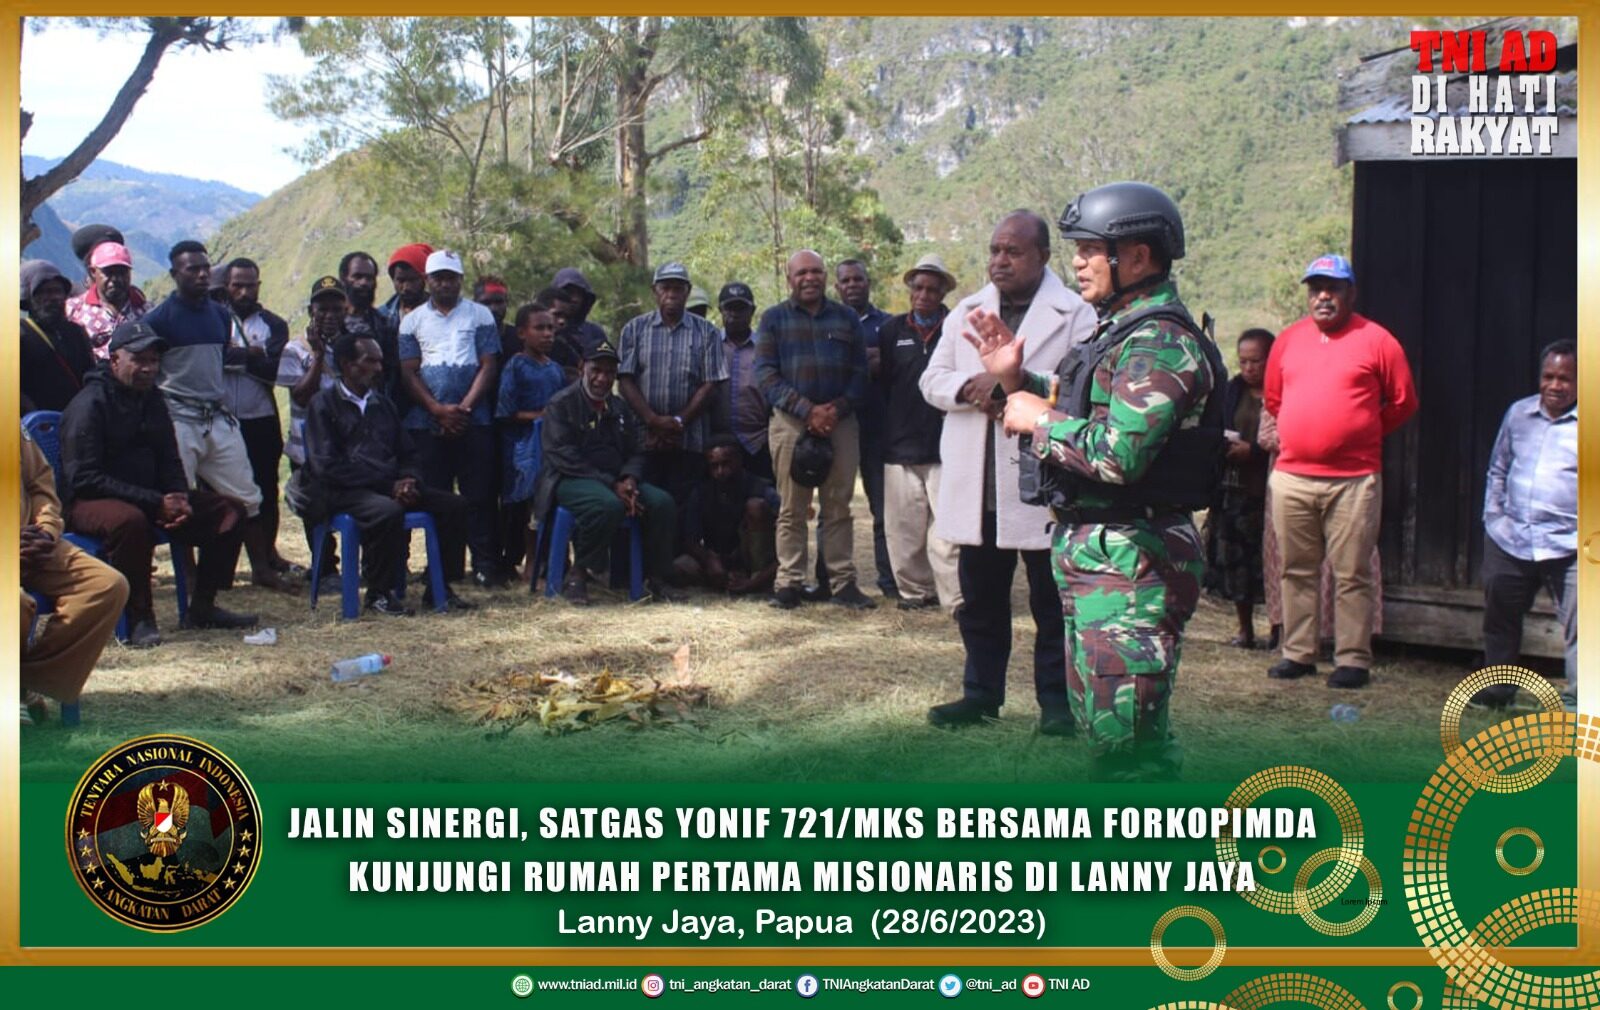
column 1106, row 305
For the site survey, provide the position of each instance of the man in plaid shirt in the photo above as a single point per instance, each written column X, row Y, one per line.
column 811, row 363
column 111, row 299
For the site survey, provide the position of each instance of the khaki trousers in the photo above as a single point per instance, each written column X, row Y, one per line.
column 838, row 543
column 88, row 596
column 924, row 563
column 1336, row 518
column 213, row 451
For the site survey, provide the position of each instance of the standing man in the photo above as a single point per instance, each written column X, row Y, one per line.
column 854, row 288
column 408, row 272
column 924, row 562
column 358, row 277
column 579, row 296
column 1134, row 447
column 1337, row 383
column 448, row 349
column 744, row 406
column 197, row 333
column 54, row 351
column 491, row 292
column 250, row 372
column 978, row 507
column 1530, row 520
column 811, row 363
column 110, row 299
column 671, row 365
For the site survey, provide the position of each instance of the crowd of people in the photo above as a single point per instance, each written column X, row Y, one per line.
column 1074, row 430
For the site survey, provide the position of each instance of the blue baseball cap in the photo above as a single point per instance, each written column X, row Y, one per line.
column 1330, row 265
column 671, row 272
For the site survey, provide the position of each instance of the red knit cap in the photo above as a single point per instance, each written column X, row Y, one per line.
column 414, row 255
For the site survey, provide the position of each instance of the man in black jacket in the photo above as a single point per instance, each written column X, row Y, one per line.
column 593, row 459
column 122, row 478
column 360, row 460
column 54, row 352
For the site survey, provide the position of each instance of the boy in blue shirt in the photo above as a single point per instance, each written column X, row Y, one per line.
column 529, row 380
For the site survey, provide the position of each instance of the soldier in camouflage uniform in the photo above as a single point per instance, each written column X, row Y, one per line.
column 1127, row 448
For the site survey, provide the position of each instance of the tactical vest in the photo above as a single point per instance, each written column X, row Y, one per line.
column 1183, row 476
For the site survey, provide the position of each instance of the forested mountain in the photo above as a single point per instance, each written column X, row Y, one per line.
column 953, row 122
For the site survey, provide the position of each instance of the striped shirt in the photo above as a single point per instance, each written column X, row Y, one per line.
column 804, row 359
column 669, row 363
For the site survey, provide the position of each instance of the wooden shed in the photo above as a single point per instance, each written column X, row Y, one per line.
column 1471, row 261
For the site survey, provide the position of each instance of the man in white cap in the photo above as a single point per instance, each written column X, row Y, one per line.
column 449, row 349
column 110, row 299
column 923, row 562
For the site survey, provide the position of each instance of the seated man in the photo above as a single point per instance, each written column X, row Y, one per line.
column 360, row 460
column 730, row 525
column 88, row 595
column 122, row 478
column 593, row 447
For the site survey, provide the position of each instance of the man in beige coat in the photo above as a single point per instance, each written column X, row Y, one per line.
column 87, row 595
column 979, row 507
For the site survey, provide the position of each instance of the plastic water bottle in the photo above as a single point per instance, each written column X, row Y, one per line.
column 361, row 666
column 1344, row 713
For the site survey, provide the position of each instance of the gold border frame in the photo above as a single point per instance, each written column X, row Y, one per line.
column 1587, row 950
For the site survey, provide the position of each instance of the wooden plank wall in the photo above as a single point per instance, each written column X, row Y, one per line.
column 1473, row 266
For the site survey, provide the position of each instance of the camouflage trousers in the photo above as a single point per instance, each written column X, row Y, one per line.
column 1127, row 590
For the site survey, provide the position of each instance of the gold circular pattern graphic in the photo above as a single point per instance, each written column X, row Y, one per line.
column 1261, row 859
column 1519, row 832
column 1466, row 956
column 1404, row 984
column 1292, row 987
column 164, row 833
column 1558, row 906
column 1219, row 943
column 1351, row 843
column 1545, row 760
column 1317, row 922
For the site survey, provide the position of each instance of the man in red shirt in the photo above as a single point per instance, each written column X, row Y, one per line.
column 1337, row 384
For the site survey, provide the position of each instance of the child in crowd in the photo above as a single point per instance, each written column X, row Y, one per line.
column 529, row 380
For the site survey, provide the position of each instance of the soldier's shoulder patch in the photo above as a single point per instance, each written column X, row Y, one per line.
column 1139, row 364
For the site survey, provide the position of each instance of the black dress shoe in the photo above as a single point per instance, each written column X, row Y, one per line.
column 1495, row 696
column 216, row 617
column 912, row 603
column 575, row 588
column 962, row 712
column 1288, row 669
column 389, row 605
column 145, row 635
column 820, row 593
column 787, row 598
column 851, row 596
column 1349, row 677
column 1057, row 723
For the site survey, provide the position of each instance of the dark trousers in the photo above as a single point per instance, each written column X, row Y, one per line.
column 598, row 513
column 1510, row 586
column 872, row 484
column 381, row 521
column 263, row 444
column 330, row 557
column 985, row 621
column 216, row 527
column 758, row 463
column 468, row 462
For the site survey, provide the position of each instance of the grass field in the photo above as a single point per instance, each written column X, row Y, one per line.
column 819, row 694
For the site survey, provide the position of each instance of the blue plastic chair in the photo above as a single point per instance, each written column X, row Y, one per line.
column 44, row 427
column 71, row 714
column 563, row 524
column 343, row 525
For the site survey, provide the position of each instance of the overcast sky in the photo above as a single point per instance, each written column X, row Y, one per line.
column 203, row 116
